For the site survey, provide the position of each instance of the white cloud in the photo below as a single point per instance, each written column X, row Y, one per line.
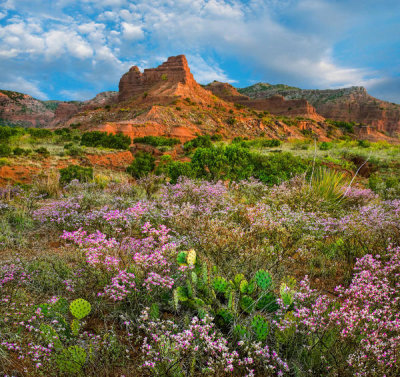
column 132, row 32
column 104, row 37
column 19, row 84
column 204, row 72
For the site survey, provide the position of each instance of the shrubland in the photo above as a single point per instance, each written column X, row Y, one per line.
column 250, row 258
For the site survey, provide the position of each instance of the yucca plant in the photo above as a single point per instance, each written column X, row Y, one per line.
column 328, row 184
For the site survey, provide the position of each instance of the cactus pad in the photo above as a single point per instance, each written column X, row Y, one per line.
column 240, row 331
column 181, row 293
column 220, row 284
column 71, row 360
column 237, row 279
column 263, row 279
column 80, row 308
column 243, row 286
column 246, row 304
column 225, row 315
column 181, row 257
column 267, row 302
column 260, row 327
column 191, row 257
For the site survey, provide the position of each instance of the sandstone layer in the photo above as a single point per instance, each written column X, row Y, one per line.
column 352, row 104
column 275, row 104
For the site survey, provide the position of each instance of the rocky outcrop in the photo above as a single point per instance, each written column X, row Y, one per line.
column 352, row 104
column 225, row 91
column 275, row 104
column 172, row 78
column 19, row 109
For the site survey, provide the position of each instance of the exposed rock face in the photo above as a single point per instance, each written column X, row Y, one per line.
column 20, row 109
column 23, row 110
column 171, row 78
column 226, row 91
column 352, row 104
column 275, row 104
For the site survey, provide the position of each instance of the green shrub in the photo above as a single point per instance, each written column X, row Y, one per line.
column 324, row 146
column 5, row 150
column 21, row 151
column 80, row 173
column 345, row 126
column 216, row 137
column 43, row 151
column 364, row 143
column 105, row 140
column 209, row 163
column 40, row 133
column 231, row 121
column 142, row 165
column 270, row 143
column 277, row 167
column 6, row 132
column 176, row 169
column 157, row 141
column 203, row 141
column 236, row 162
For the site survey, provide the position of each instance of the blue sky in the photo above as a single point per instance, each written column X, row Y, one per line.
column 68, row 49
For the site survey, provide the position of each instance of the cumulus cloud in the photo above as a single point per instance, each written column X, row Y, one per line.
column 205, row 72
column 19, row 84
column 131, row 31
column 95, row 41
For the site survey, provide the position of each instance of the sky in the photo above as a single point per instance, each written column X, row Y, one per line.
column 72, row 50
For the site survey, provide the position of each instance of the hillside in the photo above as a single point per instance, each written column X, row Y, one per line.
column 352, row 104
column 167, row 101
column 275, row 104
column 18, row 109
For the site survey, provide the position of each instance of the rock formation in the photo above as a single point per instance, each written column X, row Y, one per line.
column 276, row 104
column 171, row 78
column 352, row 104
column 22, row 110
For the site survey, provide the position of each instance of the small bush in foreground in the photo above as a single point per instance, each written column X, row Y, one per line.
column 142, row 165
column 75, row 172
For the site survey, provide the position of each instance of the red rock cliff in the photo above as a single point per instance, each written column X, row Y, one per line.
column 171, row 78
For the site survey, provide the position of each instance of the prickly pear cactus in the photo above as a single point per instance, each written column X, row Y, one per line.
column 194, row 277
column 75, row 326
column 154, row 311
column 246, row 304
column 181, row 294
column 240, row 331
column 263, row 279
column 267, row 302
column 251, row 287
column 191, row 257
column 243, row 286
column 225, row 315
column 50, row 335
column 71, row 360
column 237, row 279
column 220, row 285
column 181, row 257
column 260, row 327
column 80, row 308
